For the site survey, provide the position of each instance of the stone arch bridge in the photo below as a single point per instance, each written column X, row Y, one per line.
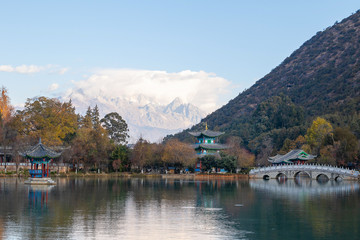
column 312, row 170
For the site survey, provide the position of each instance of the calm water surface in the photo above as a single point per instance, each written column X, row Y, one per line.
column 179, row 209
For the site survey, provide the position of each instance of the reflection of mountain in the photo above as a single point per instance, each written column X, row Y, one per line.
column 145, row 117
column 294, row 189
column 106, row 208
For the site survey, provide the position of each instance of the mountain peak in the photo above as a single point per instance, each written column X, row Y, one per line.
column 177, row 101
column 145, row 118
column 175, row 104
column 142, row 100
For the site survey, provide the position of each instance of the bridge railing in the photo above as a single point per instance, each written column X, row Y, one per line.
column 307, row 167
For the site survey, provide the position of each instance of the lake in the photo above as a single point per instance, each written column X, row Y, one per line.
column 131, row 208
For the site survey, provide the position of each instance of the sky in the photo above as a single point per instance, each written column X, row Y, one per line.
column 205, row 52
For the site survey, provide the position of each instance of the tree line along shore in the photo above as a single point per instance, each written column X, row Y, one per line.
column 89, row 143
column 92, row 144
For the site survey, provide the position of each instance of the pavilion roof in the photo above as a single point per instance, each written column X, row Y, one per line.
column 297, row 154
column 207, row 133
column 215, row 154
column 212, row 146
column 40, row 151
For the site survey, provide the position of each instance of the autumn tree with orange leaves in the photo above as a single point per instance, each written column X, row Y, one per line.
column 48, row 119
column 179, row 154
column 5, row 107
column 7, row 133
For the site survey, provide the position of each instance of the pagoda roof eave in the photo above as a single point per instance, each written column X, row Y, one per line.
column 210, row 146
column 297, row 154
column 46, row 156
column 207, row 133
column 40, row 151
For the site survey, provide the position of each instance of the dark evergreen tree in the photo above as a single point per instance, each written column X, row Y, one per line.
column 116, row 127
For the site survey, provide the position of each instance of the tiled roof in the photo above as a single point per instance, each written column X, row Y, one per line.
column 207, row 133
column 215, row 154
column 40, row 151
column 292, row 155
column 213, row 146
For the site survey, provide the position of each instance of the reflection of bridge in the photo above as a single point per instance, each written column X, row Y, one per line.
column 313, row 171
column 292, row 189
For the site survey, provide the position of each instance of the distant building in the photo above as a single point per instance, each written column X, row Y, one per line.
column 297, row 156
column 206, row 144
column 5, row 151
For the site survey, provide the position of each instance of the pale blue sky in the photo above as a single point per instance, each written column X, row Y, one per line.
column 239, row 41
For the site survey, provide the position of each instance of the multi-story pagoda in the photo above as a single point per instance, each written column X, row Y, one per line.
column 206, row 143
column 297, row 156
column 40, row 157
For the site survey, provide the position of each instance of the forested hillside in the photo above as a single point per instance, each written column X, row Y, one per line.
column 321, row 78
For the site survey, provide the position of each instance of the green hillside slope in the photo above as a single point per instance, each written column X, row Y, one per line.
column 321, row 78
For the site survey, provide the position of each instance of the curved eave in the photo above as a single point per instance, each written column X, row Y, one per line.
column 215, row 154
column 46, row 156
column 275, row 157
column 207, row 133
column 293, row 155
column 40, row 151
column 195, row 134
column 213, row 146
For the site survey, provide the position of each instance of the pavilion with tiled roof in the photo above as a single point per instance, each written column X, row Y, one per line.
column 40, row 157
column 297, row 156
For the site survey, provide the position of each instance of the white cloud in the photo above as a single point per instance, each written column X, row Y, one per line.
column 53, row 87
column 199, row 88
column 28, row 69
column 6, row 68
column 63, row 71
column 21, row 69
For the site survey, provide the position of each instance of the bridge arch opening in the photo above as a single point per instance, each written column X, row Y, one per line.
column 338, row 178
column 322, row 178
column 281, row 177
column 266, row 177
column 302, row 174
column 302, row 178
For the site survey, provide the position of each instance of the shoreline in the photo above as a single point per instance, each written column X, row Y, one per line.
column 192, row 176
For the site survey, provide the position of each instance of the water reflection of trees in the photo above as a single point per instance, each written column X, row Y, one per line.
column 87, row 197
column 80, row 203
column 267, row 209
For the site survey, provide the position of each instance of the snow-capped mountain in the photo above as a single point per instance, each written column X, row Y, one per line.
column 145, row 117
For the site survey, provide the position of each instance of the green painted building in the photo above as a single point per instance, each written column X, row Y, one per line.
column 206, row 142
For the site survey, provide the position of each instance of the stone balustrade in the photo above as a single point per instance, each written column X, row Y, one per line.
column 293, row 169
